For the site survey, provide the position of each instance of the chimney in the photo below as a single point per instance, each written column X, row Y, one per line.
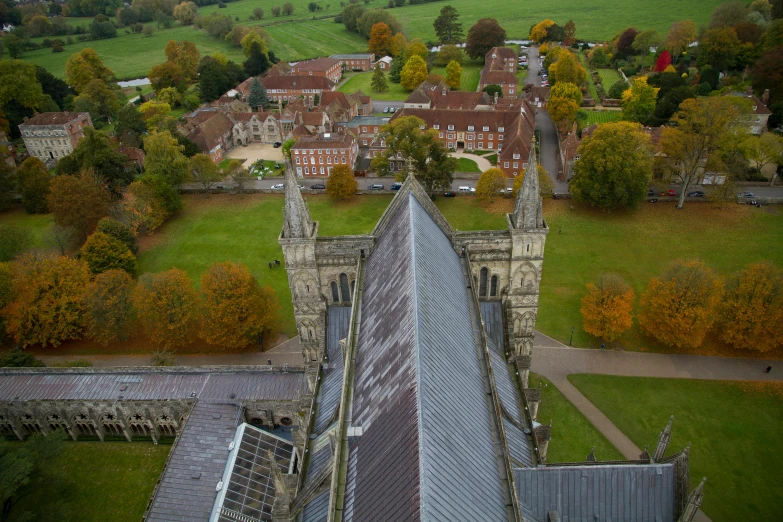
column 496, row 98
column 765, row 97
column 749, row 91
column 573, row 129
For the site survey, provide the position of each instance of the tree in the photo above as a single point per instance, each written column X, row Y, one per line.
column 449, row 53
column 351, row 15
column 380, row 39
column 447, row 26
column 617, row 89
column 142, row 210
column 664, row 60
column 398, row 45
column 286, row 147
column 639, row 100
column 453, row 75
column 108, row 307
column 644, row 40
column 396, row 70
column 372, row 17
column 288, row 9
column 33, row 184
column 538, row 32
column 184, row 55
column 168, row 307
column 48, row 307
column 379, row 80
column 680, row 35
column 607, row 307
column 490, row 184
column 98, row 99
column 429, row 159
column 13, row 241
column 763, row 149
column 545, row 185
column 552, row 56
column 238, row 310
column 341, row 183
column 679, row 307
column 165, row 161
column 85, row 66
column 752, row 307
column 238, row 174
column 253, row 38
column 416, row 48
column 703, row 128
column 102, row 252
column 202, row 170
column 567, row 69
column 119, row 231
column 18, row 83
column 569, row 29
column 79, row 202
column 257, row 62
column 625, row 41
column 258, row 13
column 768, row 73
column 728, row 14
column 186, row 12
column 166, row 74
column 483, row 36
column 719, row 48
column 563, row 104
column 413, row 73
column 95, row 152
column 17, row 358
column 155, row 113
column 257, row 97
column 614, row 167
column 493, row 89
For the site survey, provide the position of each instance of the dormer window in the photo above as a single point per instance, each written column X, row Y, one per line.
column 470, row 128
column 451, row 127
column 501, row 129
column 486, row 128
column 516, row 156
column 422, row 127
column 436, row 127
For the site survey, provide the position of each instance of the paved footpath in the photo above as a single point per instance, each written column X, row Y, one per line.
column 555, row 361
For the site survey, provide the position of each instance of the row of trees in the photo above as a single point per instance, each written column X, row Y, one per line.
column 687, row 301
column 48, row 300
column 492, row 183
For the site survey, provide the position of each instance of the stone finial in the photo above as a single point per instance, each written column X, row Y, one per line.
column 645, row 454
column 543, row 434
column 591, row 456
column 694, row 502
column 528, row 211
column 281, row 510
column 663, row 441
column 297, row 223
column 765, row 97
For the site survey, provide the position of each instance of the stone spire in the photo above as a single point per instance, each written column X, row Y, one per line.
column 528, row 211
column 296, row 216
column 663, row 441
column 694, row 502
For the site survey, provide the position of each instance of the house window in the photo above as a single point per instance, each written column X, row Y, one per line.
column 501, row 129
column 322, row 171
column 436, row 127
column 451, row 127
column 329, row 160
column 364, row 129
column 490, row 136
column 481, row 136
column 516, row 156
column 451, row 136
column 480, row 145
column 505, row 164
column 344, row 160
column 470, row 128
column 364, row 142
column 307, row 170
column 486, row 128
column 516, row 165
column 500, row 137
column 297, row 161
column 451, row 144
column 489, row 145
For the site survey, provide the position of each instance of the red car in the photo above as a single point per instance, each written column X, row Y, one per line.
column 670, row 192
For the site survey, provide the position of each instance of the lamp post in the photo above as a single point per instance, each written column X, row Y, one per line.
column 572, row 336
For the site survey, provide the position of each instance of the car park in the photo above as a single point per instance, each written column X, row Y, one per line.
column 696, row 194
column 318, row 186
column 395, row 186
column 376, row 186
column 277, row 186
column 746, row 195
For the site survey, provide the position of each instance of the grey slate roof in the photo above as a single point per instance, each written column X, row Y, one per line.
column 613, row 493
column 338, row 319
column 427, row 448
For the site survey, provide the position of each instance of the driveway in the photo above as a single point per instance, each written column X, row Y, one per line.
column 483, row 163
column 549, row 149
column 533, row 66
column 256, row 151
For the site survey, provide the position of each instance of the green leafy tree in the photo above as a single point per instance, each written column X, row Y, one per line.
column 493, row 89
column 79, row 202
column 763, row 150
column 129, row 126
column 103, row 252
column 257, row 97
column 719, row 48
column 567, row 69
column 13, row 241
column 569, row 31
column 447, row 25
column 379, row 80
column 85, row 66
column 453, row 75
column 95, row 152
column 19, row 83
column 238, row 174
column 490, row 184
column 341, row 184
column 395, row 71
column 563, row 104
column 166, row 168
column 119, row 231
column 617, row 89
column 286, row 148
column 33, row 183
column 97, row 98
column 257, row 62
column 483, row 36
column 202, row 170
column 639, row 101
column 449, row 53
column 17, row 358
column 614, row 167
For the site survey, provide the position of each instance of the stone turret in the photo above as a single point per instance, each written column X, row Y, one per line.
column 663, row 441
column 694, row 502
column 297, row 223
column 528, row 210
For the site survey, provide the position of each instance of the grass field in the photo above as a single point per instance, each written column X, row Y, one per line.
column 735, row 429
column 363, row 81
column 609, row 77
column 572, row 434
column 603, row 116
column 639, row 245
column 590, row 83
column 95, row 482
column 471, row 72
column 468, row 165
column 38, row 224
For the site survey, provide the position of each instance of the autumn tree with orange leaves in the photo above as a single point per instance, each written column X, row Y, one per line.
column 238, row 310
column 108, row 307
column 679, row 307
column 48, row 305
column 752, row 310
column 380, row 40
column 607, row 306
column 168, row 307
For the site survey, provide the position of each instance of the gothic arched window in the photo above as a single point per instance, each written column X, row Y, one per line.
column 335, row 292
column 345, row 290
column 483, row 282
column 493, row 287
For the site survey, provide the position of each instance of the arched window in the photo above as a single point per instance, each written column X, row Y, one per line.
column 493, row 287
column 353, row 286
column 345, row 290
column 483, row 282
column 335, row 293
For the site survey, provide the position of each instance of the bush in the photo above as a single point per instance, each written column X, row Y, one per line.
column 103, row 252
column 276, row 11
column 13, row 241
column 18, row 358
column 58, row 49
column 119, row 231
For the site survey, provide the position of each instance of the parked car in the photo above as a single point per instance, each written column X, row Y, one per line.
column 376, row 186
column 277, row 186
column 277, row 144
column 318, row 186
column 395, row 186
column 670, row 193
column 746, row 195
column 386, row 110
column 450, row 194
column 696, row 194
column 464, row 189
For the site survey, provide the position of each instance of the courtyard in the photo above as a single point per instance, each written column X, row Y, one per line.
column 256, row 151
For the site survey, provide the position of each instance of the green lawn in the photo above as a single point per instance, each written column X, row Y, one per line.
column 95, row 482
column 735, row 429
column 471, row 72
column 467, row 165
column 363, row 81
column 639, row 245
column 572, row 434
column 37, row 224
column 590, row 83
column 603, row 116
column 609, row 77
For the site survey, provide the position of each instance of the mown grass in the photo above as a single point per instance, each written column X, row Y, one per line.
column 468, row 165
column 471, row 72
column 573, row 435
column 603, row 116
column 608, row 77
column 583, row 243
column 363, row 81
column 38, row 224
column 735, row 429
column 590, row 83
column 94, row 482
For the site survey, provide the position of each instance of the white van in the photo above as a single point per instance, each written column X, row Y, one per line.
column 464, row 190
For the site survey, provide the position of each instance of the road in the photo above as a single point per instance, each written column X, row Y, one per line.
column 363, row 183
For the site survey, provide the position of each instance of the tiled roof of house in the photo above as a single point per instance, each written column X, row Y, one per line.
column 358, row 56
column 209, row 134
column 298, row 82
column 319, row 64
column 53, row 118
column 324, row 140
column 498, row 78
column 459, row 100
column 501, row 52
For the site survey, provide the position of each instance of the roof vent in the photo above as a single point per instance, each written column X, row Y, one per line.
column 195, row 475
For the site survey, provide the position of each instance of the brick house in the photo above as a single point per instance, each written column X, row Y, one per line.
column 289, row 88
column 385, row 63
column 356, row 62
column 50, row 136
column 316, row 155
column 343, row 107
column 428, row 96
column 500, row 68
column 327, row 67
column 507, row 81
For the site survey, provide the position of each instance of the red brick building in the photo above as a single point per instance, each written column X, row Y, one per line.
column 500, row 68
column 356, row 62
column 288, row 88
column 315, row 156
column 327, row 67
